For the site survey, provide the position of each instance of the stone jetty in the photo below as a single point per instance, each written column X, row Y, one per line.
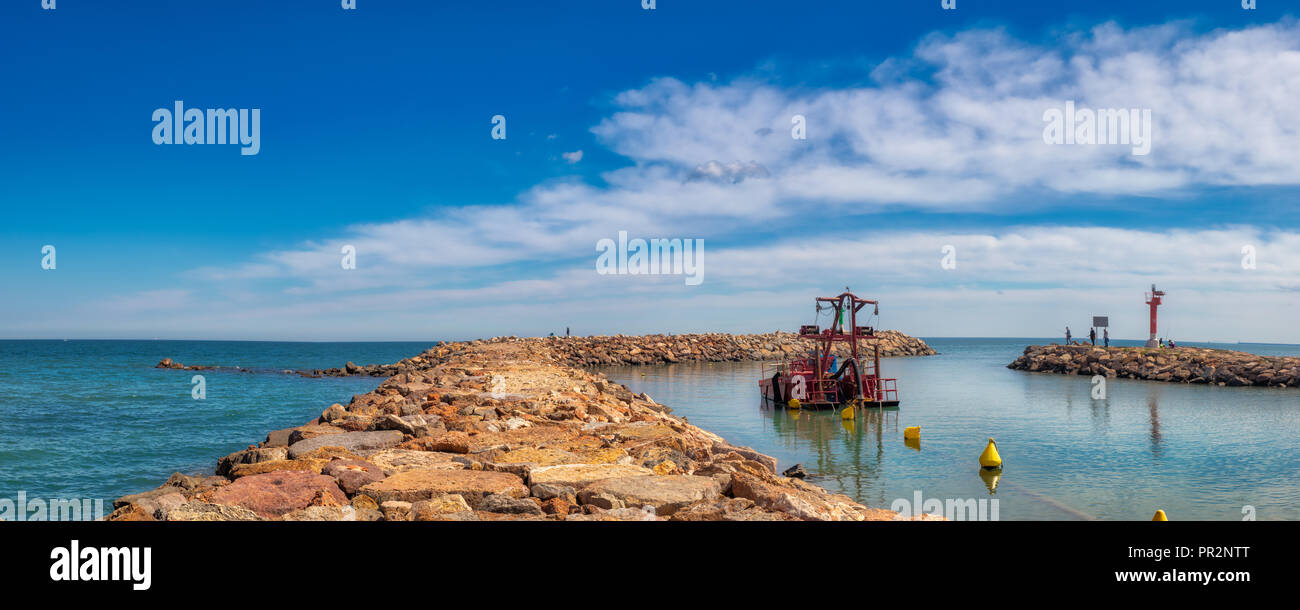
column 508, row 429
column 660, row 349
column 1180, row 364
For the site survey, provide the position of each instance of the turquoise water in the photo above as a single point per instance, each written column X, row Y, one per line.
column 94, row 419
column 1198, row 452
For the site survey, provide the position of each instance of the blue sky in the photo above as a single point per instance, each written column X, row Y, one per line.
column 922, row 132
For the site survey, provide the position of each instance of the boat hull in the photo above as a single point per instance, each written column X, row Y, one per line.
column 765, row 390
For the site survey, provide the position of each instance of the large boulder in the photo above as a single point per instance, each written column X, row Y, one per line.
column 578, row 476
column 472, row 485
column 400, row 460
column 667, row 494
column 273, row 494
column 352, row 475
column 352, row 441
column 202, row 511
column 302, row 433
column 250, row 456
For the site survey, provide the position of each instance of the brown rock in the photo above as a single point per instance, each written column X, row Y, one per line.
column 449, row 442
column 472, row 485
column 352, row 475
column 667, row 494
column 274, row 494
column 578, row 476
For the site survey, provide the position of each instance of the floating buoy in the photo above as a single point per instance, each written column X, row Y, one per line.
column 846, row 413
column 793, row 403
column 912, row 433
column 1160, row 516
column 643, row 374
column 990, row 457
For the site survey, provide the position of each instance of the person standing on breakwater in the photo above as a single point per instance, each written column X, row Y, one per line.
column 1105, row 336
column 1092, row 336
column 566, row 331
column 1067, row 335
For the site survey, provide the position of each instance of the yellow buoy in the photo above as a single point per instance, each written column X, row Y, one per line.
column 1160, row 516
column 846, row 413
column 912, row 432
column 990, row 457
column 793, row 403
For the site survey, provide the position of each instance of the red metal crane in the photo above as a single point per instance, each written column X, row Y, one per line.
column 815, row 381
column 1154, row 300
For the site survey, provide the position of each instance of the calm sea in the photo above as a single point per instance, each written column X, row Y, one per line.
column 94, row 419
column 1197, row 452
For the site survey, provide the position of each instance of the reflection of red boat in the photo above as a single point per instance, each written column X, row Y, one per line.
column 819, row 380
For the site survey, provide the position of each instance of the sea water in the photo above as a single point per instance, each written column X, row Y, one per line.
column 1197, row 452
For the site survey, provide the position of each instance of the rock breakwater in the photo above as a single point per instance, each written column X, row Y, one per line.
column 1180, row 364
column 504, row 429
column 657, row 349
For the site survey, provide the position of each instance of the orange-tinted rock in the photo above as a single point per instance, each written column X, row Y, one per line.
column 449, row 442
column 472, row 485
column 352, row 475
column 276, row 493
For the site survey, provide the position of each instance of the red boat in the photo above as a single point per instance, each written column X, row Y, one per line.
column 819, row 380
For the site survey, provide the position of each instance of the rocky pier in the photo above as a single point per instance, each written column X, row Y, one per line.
column 661, row 349
column 1179, row 364
column 512, row 429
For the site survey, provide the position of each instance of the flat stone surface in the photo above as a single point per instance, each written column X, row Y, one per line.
column 352, row 441
column 401, row 460
column 472, row 485
column 201, row 511
column 305, row 464
column 302, row 433
column 578, row 476
column 667, row 494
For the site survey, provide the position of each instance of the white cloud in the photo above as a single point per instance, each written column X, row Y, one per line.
column 572, row 157
column 715, row 160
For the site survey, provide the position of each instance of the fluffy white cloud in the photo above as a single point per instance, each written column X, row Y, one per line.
column 955, row 126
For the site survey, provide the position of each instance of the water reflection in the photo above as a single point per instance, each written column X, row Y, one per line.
column 1072, row 457
column 1153, row 413
column 850, row 452
column 991, row 476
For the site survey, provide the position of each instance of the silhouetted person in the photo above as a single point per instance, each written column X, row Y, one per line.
column 1067, row 335
column 566, row 331
column 1092, row 336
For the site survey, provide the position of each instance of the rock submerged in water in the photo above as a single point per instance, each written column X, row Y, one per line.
column 1179, row 364
column 168, row 363
column 509, row 429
